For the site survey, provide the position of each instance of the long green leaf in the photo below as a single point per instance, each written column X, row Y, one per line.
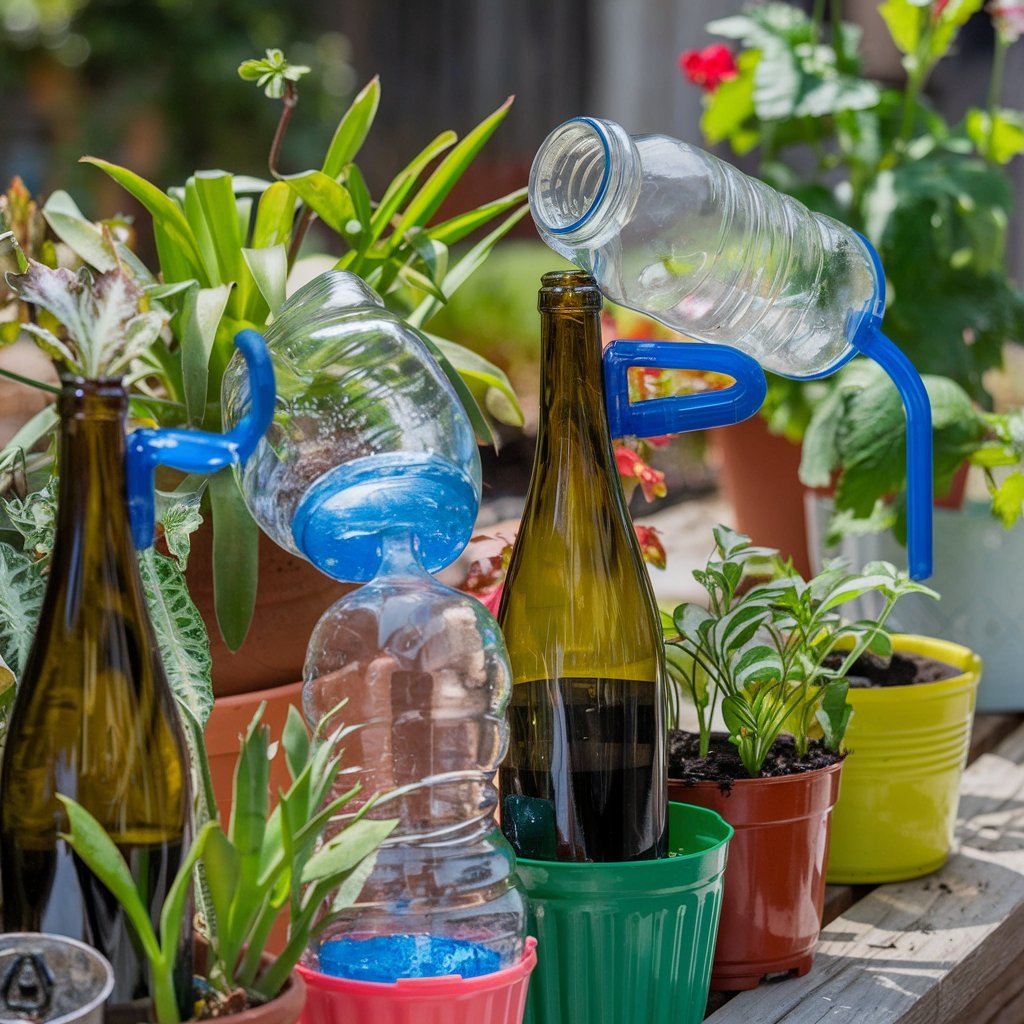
column 70, row 226
column 403, row 182
column 170, row 226
column 201, row 316
column 481, row 427
column 466, row 266
column 217, row 197
column 489, row 384
column 90, row 841
column 347, row 849
column 352, row 129
column 436, row 188
column 274, row 216
column 173, row 917
column 325, row 197
column 235, row 559
column 269, row 269
column 455, row 229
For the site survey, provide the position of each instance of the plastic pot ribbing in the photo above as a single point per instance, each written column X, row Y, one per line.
column 496, row 998
column 775, row 881
column 901, row 782
column 628, row 943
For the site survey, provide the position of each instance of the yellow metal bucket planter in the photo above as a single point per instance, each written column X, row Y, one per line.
column 900, row 788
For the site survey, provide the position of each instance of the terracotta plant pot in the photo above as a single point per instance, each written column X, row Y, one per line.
column 759, row 477
column 901, row 782
column 775, row 876
column 286, row 1008
column 496, row 998
column 291, row 597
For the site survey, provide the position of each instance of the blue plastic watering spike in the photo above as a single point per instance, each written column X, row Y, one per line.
column 196, row 451
column 869, row 339
column 679, row 413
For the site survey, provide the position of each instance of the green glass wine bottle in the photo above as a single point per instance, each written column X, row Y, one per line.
column 584, row 778
column 94, row 718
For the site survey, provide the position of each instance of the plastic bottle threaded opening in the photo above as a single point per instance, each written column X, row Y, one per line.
column 570, row 176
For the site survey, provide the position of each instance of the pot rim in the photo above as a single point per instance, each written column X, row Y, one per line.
column 957, row 655
column 448, row 986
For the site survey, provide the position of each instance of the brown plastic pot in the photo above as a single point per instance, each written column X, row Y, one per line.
column 291, row 597
column 775, row 876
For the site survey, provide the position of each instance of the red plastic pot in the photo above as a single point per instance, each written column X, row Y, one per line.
column 497, row 998
column 775, row 876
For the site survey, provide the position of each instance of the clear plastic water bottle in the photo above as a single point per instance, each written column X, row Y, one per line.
column 368, row 435
column 425, row 680
column 676, row 233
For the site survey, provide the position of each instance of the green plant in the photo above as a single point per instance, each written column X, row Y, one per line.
column 266, row 863
column 760, row 650
column 857, row 436
column 95, row 325
column 886, row 162
column 227, row 245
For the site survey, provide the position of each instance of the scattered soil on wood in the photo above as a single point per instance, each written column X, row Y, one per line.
column 872, row 670
column 723, row 764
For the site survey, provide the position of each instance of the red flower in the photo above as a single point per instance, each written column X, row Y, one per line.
column 1008, row 16
column 940, row 6
column 632, row 467
column 651, row 546
column 709, row 67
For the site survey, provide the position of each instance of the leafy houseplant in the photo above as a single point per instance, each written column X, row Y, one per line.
column 884, row 161
column 227, row 244
column 760, row 651
column 266, row 863
column 764, row 652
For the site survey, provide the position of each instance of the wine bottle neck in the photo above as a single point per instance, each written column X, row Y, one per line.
column 92, row 497
column 572, row 391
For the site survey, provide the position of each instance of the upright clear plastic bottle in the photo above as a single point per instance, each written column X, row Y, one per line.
column 94, row 719
column 676, row 233
column 584, row 779
column 423, row 675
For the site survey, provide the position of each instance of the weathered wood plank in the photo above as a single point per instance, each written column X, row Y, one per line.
column 936, row 950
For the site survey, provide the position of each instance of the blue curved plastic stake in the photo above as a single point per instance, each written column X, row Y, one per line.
column 869, row 339
column 679, row 413
column 195, row 451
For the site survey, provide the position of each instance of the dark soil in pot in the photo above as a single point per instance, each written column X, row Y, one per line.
column 723, row 764
column 872, row 670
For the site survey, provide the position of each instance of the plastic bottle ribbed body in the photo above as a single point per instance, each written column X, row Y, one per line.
column 426, row 680
column 690, row 240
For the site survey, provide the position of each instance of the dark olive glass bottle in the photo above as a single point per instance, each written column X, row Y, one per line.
column 584, row 778
column 94, row 718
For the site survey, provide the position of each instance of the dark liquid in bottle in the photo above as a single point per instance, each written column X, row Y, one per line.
column 58, row 894
column 579, row 779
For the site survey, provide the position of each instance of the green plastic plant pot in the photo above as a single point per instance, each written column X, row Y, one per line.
column 897, row 807
column 628, row 943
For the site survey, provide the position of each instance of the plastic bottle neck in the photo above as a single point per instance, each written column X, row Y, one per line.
column 584, row 183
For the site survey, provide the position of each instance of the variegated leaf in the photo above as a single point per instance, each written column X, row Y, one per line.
column 21, row 597
column 180, row 633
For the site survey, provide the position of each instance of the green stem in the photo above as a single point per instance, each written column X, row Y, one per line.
column 836, row 17
column 818, row 18
column 995, row 90
column 165, row 1000
column 918, row 77
column 859, row 648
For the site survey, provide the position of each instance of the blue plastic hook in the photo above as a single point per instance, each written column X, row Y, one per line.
column 679, row 413
column 195, row 451
column 869, row 339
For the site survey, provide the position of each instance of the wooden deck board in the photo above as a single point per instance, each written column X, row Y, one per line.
column 945, row 949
